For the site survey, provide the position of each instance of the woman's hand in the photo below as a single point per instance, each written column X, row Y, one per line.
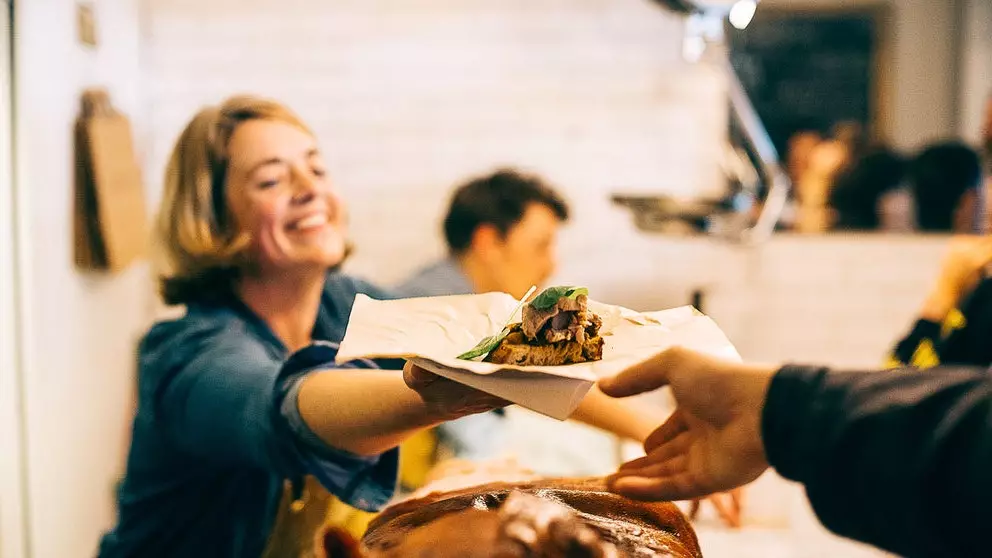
column 448, row 400
column 964, row 265
column 712, row 442
column 367, row 412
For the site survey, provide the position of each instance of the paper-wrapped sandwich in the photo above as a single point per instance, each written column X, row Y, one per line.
column 524, row 345
column 557, row 328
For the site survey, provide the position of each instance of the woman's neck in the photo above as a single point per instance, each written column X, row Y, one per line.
column 287, row 303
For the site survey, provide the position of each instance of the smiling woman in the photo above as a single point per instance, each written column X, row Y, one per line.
column 240, row 397
column 206, row 230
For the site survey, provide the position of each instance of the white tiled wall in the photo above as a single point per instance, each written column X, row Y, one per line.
column 77, row 330
column 839, row 300
column 411, row 98
column 976, row 68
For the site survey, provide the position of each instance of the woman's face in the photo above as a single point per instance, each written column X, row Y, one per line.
column 279, row 193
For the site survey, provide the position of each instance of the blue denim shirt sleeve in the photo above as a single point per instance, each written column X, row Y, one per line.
column 222, row 401
column 366, row 483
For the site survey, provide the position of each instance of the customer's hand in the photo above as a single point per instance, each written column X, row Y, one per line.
column 448, row 400
column 712, row 443
column 964, row 265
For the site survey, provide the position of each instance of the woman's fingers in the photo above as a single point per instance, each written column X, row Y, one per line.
column 417, row 378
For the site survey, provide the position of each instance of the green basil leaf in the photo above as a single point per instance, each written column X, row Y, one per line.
column 485, row 346
column 550, row 296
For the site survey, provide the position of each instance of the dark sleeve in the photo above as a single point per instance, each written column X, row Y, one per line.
column 920, row 347
column 899, row 459
column 231, row 405
column 970, row 344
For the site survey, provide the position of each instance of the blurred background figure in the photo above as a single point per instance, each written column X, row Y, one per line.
column 828, row 159
column 801, row 146
column 859, row 190
column 945, row 180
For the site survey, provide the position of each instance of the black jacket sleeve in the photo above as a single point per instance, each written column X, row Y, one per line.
column 900, row 459
column 971, row 345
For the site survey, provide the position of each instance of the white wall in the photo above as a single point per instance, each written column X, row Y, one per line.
column 11, row 438
column 976, row 67
column 922, row 83
column 411, row 100
column 79, row 329
column 408, row 102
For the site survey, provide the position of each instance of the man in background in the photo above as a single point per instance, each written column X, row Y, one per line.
column 501, row 231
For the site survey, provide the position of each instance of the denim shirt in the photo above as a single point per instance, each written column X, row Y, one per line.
column 442, row 278
column 218, row 429
column 475, row 437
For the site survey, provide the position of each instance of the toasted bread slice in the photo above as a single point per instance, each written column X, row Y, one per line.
column 516, row 350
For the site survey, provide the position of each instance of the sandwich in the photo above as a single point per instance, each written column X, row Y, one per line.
column 556, row 328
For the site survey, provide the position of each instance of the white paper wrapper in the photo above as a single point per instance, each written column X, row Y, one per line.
column 433, row 331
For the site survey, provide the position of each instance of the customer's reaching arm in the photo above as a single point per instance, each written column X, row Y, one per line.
column 899, row 459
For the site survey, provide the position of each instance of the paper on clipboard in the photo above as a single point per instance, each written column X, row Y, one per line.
column 432, row 331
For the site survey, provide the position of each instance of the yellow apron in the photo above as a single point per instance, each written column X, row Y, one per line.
column 298, row 522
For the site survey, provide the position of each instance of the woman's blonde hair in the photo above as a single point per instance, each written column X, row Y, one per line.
column 201, row 243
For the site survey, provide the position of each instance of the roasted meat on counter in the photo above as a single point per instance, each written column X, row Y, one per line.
column 551, row 518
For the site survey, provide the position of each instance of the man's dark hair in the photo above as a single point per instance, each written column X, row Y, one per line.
column 940, row 176
column 500, row 200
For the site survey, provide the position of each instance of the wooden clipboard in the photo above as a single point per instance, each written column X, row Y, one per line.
column 110, row 217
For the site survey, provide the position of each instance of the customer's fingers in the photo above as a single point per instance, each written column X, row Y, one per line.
column 671, row 428
column 645, row 376
column 658, row 469
column 675, row 487
column 677, row 447
column 636, row 463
